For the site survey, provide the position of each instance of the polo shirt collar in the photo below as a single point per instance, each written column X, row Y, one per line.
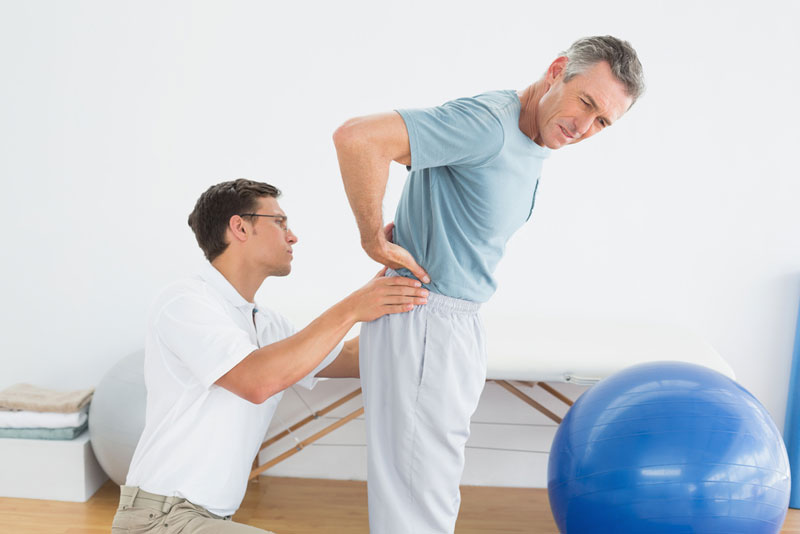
column 215, row 279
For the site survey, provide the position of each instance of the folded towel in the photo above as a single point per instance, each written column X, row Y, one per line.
column 26, row 419
column 36, row 399
column 43, row 433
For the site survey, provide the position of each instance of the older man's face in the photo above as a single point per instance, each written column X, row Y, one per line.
column 573, row 111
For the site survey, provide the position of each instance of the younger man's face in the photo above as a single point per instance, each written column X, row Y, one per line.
column 272, row 239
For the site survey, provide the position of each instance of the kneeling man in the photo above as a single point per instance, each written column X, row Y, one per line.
column 216, row 364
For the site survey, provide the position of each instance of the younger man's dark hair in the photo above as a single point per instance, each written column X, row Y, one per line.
column 218, row 204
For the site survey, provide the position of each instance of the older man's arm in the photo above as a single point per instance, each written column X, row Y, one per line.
column 366, row 146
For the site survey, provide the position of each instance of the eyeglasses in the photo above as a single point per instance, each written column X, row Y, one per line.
column 280, row 219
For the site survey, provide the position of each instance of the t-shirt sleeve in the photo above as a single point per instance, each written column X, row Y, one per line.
column 461, row 132
column 203, row 337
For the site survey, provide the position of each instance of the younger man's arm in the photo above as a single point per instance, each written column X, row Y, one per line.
column 275, row 367
column 346, row 363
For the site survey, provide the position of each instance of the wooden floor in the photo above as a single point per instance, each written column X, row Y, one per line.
column 304, row 506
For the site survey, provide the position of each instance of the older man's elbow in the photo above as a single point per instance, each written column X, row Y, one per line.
column 347, row 135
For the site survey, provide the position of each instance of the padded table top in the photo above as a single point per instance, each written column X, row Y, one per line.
column 584, row 351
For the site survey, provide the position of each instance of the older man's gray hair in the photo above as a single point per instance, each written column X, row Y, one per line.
column 619, row 54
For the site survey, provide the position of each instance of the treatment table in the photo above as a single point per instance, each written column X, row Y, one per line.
column 536, row 351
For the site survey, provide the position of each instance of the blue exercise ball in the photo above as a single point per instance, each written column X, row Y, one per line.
column 668, row 447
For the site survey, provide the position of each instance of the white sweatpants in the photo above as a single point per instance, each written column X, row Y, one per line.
column 422, row 373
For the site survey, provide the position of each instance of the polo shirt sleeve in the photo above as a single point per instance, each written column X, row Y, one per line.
column 462, row 132
column 203, row 337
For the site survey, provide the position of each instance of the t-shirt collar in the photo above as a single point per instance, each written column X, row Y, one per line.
column 541, row 152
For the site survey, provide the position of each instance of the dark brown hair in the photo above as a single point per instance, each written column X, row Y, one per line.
column 214, row 209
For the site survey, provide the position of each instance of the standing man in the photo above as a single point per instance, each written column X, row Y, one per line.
column 216, row 364
column 474, row 169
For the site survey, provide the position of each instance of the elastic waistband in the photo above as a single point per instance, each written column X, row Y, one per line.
column 438, row 301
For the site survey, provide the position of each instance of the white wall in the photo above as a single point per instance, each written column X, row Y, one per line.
column 115, row 116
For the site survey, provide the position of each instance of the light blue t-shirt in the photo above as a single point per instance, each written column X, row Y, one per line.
column 472, row 184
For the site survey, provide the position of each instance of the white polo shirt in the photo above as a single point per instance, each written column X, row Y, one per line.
column 200, row 439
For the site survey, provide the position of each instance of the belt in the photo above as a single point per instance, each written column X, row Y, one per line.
column 133, row 497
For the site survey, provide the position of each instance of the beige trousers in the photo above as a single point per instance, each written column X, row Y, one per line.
column 141, row 512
